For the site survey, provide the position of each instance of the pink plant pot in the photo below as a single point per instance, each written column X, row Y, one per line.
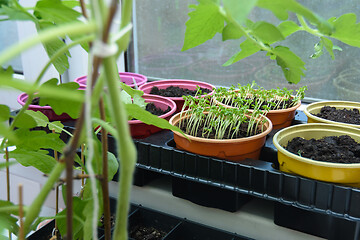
column 46, row 110
column 139, row 129
column 126, row 77
column 186, row 84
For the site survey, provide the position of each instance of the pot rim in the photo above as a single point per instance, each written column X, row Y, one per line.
column 173, row 122
column 24, row 96
column 186, row 81
column 143, row 78
column 310, row 127
column 343, row 104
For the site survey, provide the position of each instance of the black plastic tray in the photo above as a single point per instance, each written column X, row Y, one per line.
column 259, row 178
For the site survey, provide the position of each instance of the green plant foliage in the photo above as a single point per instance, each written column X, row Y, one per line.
column 205, row 21
column 55, row 11
column 25, row 121
column 230, row 18
column 64, row 106
column 43, row 121
column 7, row 221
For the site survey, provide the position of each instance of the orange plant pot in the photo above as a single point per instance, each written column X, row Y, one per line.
column 229, row 149
column 279, row 118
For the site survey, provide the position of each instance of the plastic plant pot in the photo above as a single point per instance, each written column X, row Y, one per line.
column 279, row 118
column 314, row 108
column 186, row 84
column 229, row 149
column 126, row 77
column 46, row 110
column 341, row 173
column 139, row 129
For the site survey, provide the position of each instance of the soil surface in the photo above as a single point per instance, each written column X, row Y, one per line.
column 342, row 149
column 241, row 133
column 150, row 107
column 173, row 91
column 146, row 233
column 284, row 105
column 351, row 116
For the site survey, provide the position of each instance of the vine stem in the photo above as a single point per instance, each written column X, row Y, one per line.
column 125, row 146
column 306, row 27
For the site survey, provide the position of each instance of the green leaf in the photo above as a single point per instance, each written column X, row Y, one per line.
column 4, row 113
column 288, row 27
column 78, row 218
column 38, row 139
column 6, row 74
column 25, row 121
column 239, row 9
column 139, row 101
column 8, row 222
column 247, row 48
column 346, row 29
column 205, row 21
column 71, row 3
column 290, row 63
column 38, row 159
column 267, row 32
column 55, row 11
column 16, row 14
column 125, row 97
column 318, row 50
column 62, row 105
column 113, row 166
column 141, row 114
column 43, row 121
column 230, row 31
column 6, row 164
column 6, row 133
column 280, row 8
column 130, row 90
column 61, row 63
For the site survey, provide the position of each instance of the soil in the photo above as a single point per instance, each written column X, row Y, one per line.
column 242, row 132
column 351, row 116
column 342, row 149
column 35, row 101
column 173, row 91
column 146, row 233
column 150, row 107
column 286, row 104
column 112, row 221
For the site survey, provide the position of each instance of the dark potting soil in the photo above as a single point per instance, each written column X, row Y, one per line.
column 241, row 133
column 342, row 149
column 150, row 107
column 146, row 233
column 173, row 91
column 284, row 105
column 351, row 116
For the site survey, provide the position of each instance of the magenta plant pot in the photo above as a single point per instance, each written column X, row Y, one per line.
column 46, row 110
column 186, row 84
column 139, row 129
column 126, row 77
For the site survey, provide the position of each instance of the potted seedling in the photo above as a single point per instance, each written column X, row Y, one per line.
column 279, row 105
column 227, row 133
column 324, row 152
column 174, row 89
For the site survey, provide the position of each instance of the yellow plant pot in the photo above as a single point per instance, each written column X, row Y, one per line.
column 348, row 174
column 315, row 108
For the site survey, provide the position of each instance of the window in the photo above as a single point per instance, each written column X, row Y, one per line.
column 9, row 36
column 159, row 34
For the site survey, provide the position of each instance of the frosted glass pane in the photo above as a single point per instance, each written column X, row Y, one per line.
column 160, row 28
column 9, row 36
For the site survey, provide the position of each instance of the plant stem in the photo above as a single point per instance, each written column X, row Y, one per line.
column 35, row 207
column 126, row 148
column 306, row 27
column 104, row 182
column 21, row 213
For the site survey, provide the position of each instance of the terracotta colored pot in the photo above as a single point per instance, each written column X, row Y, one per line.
column 126, row 77
column 46, row 110
column 229, row 149
column 324, row 171
column 280, row 118
column 186, row 84
column 139, row 129
column 314, row 108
